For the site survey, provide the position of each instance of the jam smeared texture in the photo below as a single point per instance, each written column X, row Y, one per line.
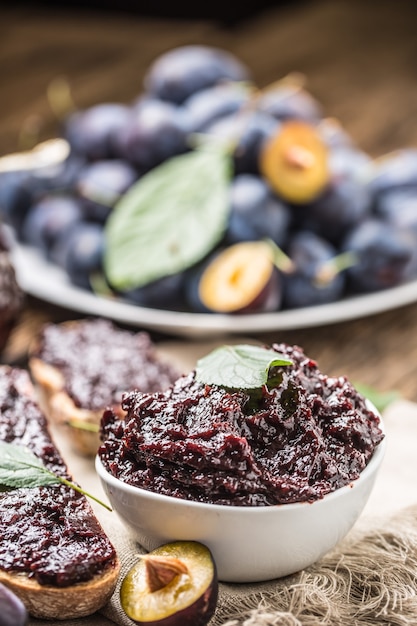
column 298, row 441
column 48, row 533
column 100, row 362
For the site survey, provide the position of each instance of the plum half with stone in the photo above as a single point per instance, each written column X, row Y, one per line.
column 295, row 162
column 174, row 585
column 242, row 278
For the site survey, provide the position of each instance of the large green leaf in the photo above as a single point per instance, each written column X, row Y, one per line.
column 170, row 219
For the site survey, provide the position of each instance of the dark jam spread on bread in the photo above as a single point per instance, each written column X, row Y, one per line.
column 298, row 441
column 99, row 361
column 50, row 534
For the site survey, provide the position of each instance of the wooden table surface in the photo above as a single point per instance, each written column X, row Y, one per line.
column 359, row 58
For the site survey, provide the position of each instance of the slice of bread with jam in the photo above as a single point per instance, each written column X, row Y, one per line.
column 54, row 554
column 82, row 367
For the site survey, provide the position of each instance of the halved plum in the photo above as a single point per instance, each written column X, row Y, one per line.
column 295, row 162
column 174, row 585
column 241, row 278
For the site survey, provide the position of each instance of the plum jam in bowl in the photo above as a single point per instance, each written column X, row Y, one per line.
column 269, row 482
column 249, row 544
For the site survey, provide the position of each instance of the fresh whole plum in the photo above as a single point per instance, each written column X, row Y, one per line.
column 256, row 212
column 155, row 132
column 344, row 204
column 101, row 184
column 16, row 196
column 91, row 132
column 349, row 162
column 315, row 278
column 80, row 253
column 177, row 74
column 398, row 206
column 385, row 255
column 48, row 219
column 20, row 189
column 213, row 103
column 345, row 201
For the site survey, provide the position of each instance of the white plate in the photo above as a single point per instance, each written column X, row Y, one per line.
column 47, row 282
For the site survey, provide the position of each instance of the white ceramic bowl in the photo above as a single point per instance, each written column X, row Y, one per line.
column 249, row 544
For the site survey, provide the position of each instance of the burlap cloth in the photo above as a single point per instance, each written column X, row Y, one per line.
column 370, row 578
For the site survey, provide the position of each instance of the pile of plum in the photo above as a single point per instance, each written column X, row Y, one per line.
column 311, row 218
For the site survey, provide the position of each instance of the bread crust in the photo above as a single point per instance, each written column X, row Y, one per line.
column 59, row 603
column 60, row 408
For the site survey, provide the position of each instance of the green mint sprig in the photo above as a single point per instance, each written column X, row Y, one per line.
column 19, row 467
column 239, row 367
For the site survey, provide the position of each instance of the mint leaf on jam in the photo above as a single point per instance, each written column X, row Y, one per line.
column 169, row 219
column 238, row 367
column 19, row 467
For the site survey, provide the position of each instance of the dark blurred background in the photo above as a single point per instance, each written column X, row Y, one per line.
column 358, row 56
column 227, row 13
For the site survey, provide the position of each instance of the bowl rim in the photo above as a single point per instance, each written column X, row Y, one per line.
column 371, row 467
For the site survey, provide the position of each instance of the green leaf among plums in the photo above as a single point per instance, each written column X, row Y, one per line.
column 380, row 399
column 169, row 219
column 239, row 367
column 19, row 467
